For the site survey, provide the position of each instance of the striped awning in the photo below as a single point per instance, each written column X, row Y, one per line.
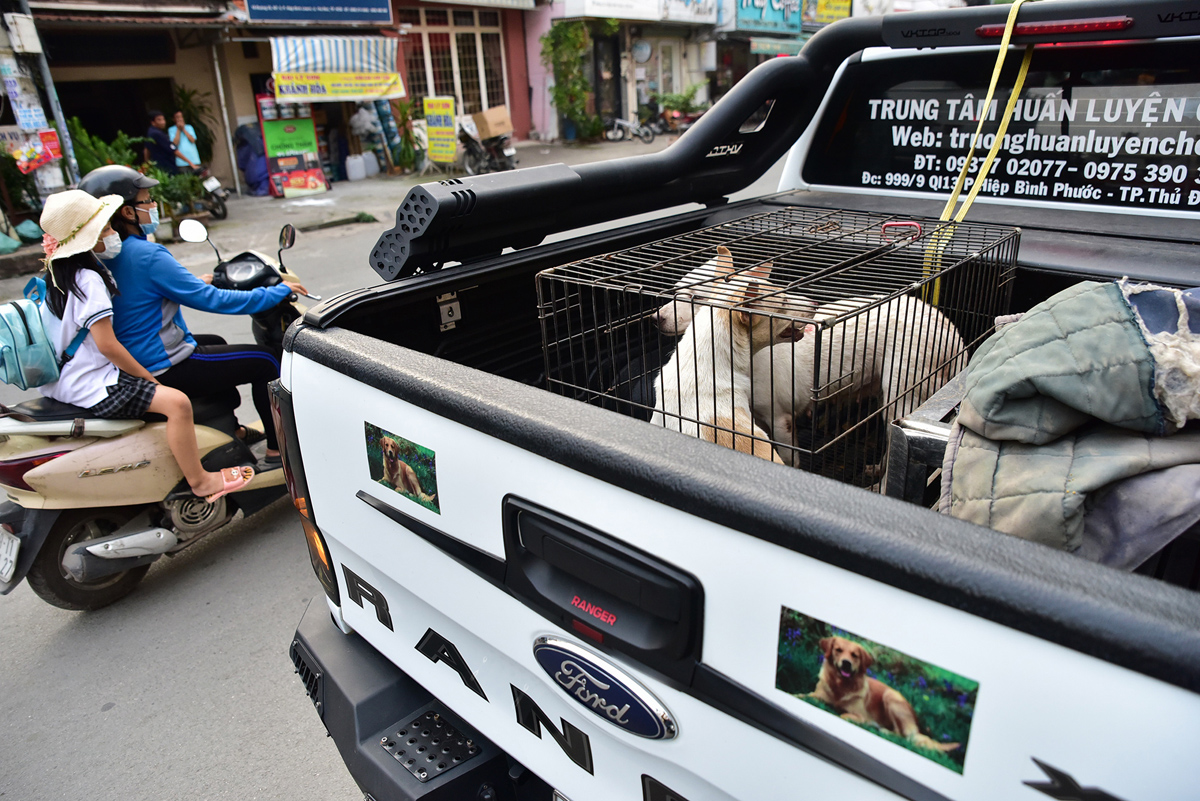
column 322, row 54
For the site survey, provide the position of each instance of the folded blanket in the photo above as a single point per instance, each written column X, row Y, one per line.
column 1073, row 397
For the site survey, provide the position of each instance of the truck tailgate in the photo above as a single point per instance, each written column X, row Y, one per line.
column 995, row 644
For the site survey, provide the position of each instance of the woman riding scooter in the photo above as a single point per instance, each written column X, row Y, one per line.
column 147, row 317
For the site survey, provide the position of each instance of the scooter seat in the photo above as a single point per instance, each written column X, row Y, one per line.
column 45, row 409
column 48, row 410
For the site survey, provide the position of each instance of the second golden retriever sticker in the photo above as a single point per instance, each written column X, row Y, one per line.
column 404, row 466
column 917, row 705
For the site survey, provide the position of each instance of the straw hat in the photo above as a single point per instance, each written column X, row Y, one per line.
column 73, row 221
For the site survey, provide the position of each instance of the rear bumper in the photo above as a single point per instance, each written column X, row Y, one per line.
column 364, row 701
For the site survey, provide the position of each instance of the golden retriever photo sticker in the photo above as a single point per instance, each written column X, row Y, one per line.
column 919, row 706
column 404, row 466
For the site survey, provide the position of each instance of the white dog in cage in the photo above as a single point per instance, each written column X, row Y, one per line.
column 674, row 316
column 900, row 352
column 704, row 389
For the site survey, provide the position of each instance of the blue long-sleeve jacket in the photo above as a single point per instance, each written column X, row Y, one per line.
column 152, row 286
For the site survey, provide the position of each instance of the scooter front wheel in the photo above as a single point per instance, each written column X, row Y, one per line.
column 54, row 585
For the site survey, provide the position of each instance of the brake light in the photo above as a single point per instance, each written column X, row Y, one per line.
column 1059, row 27
column 318, row 553
column 12, row 473
column 283, row 415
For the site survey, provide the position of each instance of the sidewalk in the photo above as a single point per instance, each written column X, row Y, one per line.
column 254, row 222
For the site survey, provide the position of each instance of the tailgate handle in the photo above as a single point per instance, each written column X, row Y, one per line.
column 597, row 585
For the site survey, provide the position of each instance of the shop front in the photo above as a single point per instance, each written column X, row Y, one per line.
column 661, row 47
column 112, row 65
column 751, row 31
column 327, row 113
column 473, row 53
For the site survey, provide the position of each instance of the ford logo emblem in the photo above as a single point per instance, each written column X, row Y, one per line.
column 604, row 689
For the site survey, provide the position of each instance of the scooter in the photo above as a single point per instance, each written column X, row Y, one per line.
column 494, row 154
column 93, row 502
column 215, row 194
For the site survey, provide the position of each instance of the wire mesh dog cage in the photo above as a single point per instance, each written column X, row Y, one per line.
column 795, row 334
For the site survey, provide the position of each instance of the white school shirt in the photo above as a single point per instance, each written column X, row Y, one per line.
column 85, row 379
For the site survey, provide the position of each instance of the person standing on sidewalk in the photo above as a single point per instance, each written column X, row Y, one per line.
column 159, row 150
column 183, row 138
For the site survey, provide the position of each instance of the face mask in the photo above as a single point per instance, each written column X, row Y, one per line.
column 152, row 226
column 112, row 247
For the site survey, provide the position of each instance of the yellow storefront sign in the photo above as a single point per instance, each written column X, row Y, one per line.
column 439, row 123
column 311, row 87
column 832, row 10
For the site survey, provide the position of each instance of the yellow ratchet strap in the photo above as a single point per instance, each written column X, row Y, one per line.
column 942, row 236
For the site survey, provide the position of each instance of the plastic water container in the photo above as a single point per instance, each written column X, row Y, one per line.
column 355, row 169
column 371, row 162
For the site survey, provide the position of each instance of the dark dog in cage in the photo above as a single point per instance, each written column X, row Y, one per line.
column 710, row 282
column 704, row 389
column 897, row 352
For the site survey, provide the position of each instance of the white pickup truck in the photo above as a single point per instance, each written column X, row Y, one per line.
column 531, row 593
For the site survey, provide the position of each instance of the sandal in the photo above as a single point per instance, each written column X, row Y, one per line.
column 270, row 462
column 235, row 478
column 250, row 435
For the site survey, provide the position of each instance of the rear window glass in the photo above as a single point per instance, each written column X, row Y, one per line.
column 1107, row 126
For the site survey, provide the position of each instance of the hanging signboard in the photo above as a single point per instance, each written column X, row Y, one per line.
column 313, row 87
column 30, row 150
column 823, row 12
column 443, row 136
column 290, row 141
column 19, row 86
column 775, row 16
column 376, row 11
column 703, row 12
column 776, row 47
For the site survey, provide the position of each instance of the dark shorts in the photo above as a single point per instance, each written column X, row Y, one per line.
column 128, row 399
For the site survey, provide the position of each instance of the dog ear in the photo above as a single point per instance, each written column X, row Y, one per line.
column 826, row 644
column 868, row 658
column 762, row 271
column 724, row 265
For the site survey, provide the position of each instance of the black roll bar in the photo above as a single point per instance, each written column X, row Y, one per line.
column 469, row 218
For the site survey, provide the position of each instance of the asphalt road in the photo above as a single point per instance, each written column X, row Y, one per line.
column 184, row 690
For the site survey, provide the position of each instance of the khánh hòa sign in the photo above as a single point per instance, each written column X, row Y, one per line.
column 311, row 87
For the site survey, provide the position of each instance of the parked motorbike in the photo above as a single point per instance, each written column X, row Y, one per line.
column 494, row 154
column 683, row 121
column 93, row 502
column 215, row 194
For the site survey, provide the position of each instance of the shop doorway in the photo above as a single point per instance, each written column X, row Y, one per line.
column 606, row 81
column 107, row 107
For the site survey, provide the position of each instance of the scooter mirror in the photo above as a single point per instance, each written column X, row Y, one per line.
column 287, row 236
column 192, row 231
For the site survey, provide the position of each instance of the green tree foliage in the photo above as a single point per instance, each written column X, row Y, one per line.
column 684, row 102
column 175, row 193
column 566, row 51
column 405, row 155
column 22, row 187
column 92, row 151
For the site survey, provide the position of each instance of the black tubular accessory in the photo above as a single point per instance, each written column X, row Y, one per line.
column 470, row 218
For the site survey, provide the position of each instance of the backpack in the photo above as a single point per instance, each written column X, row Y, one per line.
column 27, row 357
